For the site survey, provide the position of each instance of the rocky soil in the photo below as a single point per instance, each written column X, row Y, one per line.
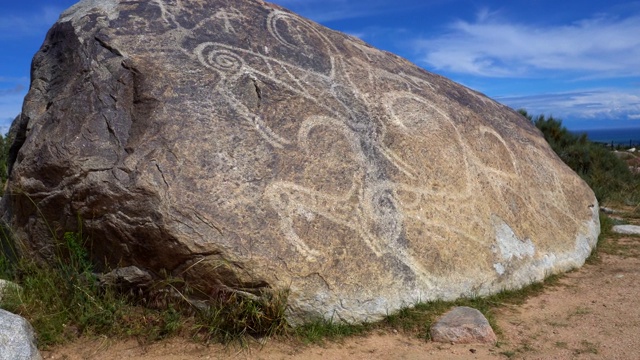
column 592, row 313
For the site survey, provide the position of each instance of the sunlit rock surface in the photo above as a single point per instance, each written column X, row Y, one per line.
column 243, row 147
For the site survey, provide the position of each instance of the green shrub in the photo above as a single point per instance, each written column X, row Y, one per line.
column 608, row 176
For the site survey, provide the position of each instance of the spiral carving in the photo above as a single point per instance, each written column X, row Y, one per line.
column 222, row 60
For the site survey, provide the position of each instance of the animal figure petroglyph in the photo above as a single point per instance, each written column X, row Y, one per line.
column 372, row 207
column 366, row 205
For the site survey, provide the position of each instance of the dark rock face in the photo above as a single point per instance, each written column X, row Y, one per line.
column 241, row 146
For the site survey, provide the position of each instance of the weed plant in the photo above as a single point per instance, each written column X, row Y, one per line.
column 64, row 300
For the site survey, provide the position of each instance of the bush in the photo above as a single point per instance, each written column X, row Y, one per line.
column 608, row 176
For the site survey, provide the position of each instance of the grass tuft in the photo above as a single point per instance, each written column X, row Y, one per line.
column 320, row 330
column 235, row 317
column 419, row 318
column 64, row 300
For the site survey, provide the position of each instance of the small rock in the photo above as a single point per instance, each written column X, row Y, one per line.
column 626, row 229
column 463, row 325
column 607, row 210
column 17, row 338
column 126, row 277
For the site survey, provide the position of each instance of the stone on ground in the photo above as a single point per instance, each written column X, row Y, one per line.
column 626, row 229
column 247, row 149
column 463, row 325
column 17, row 338
column 126, row 277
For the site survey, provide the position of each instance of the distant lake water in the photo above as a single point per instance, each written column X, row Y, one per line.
column 616, row 136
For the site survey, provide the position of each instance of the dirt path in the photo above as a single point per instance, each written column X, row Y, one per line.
column 593, row 314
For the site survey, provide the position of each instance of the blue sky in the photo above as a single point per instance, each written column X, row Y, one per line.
column 576, row 60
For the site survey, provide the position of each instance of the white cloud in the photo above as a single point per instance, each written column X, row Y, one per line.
column 600, row 104
column 8, row 112
column 18, row 89
column 494, row 47
column 12, row 93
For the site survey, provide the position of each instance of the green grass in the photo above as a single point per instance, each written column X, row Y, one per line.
column 419, row 318
column 237, row 318
column 611, row 243
column 65, row 300
column 320, row 330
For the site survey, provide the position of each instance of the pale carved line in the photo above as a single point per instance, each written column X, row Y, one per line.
column 164, row 12
column 277, row 15
column 226, row 15
column 221, row 61
column 516, row 172
column 304, row 198
column 357, row 189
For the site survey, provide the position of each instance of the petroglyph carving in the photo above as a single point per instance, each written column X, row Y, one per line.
column 167, row 16
column 417, row 115
column 302, row 158
column 374, row 208
column 493, row 153
column 369, row 212
column 337, row 125
column 227, row 15
column 350, row 119
column 297, row 29
column 219, row 59
column 226, row 59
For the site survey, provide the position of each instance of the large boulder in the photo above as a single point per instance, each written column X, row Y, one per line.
column 243, row 147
